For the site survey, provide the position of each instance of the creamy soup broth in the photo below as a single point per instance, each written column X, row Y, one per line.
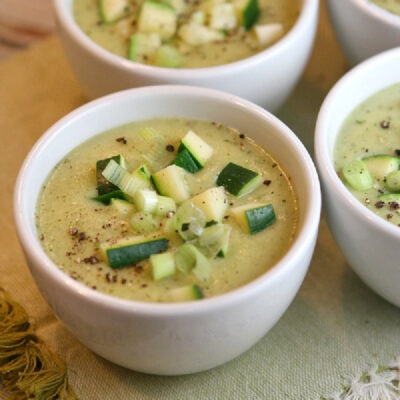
column 71, row 225
column 115, row 37
column 373, row 128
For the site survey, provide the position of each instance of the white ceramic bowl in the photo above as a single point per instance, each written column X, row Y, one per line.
column 169, row 338
column 363, row 28
column 266, row 78
column 370, row 244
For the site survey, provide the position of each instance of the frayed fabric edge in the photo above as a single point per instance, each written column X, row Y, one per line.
column 380, row 383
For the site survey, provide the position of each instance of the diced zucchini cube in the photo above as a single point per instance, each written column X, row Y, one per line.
column 123, row 207
column 144, row 222
column 180, row 6
column 198, row 17
column 158, row 18
column 379, row 166
column 392, row 182
column 197, row 147
column 113, row 10
column 186, row 161
column 268, row 33
column 223, row 17
column 357, row 175
column 143, row 47
column 185, row 293
column 168, row 56
column 248, row 12
column 131, row 250
column 253, row 218
column 107, row 197
column 196, row 35
column 171, row 182
column 239, row 180
column 213, row 202
column 162, row 265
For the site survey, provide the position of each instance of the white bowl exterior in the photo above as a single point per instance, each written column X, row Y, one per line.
column 363, row 29
column 370, row 244
column 163, row 338
column 266, row 78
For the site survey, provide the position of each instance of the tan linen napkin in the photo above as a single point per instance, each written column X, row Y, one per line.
column 335, row 329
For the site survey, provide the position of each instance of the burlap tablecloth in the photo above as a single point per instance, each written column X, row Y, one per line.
column 335, row 329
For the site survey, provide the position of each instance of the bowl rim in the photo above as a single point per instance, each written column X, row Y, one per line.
column 305, row 235
column 378, row 12
column 326, row 169
column 65, row 18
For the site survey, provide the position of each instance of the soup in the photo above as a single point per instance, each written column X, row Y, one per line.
column 205, row 240
column 367, row 153
column 390, row 5
column 191, row 34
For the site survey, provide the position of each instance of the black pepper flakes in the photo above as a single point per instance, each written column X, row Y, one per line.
column 82, row 236
column 108, row 277
column 389, row 216
column 121, row 140
column 397, row 152
column 170, row 148
column 73, row 231
column 267, row 182
column 91, row 260
column 385, row 124
column 394, row 205
column 380, row 204
column 242, row 136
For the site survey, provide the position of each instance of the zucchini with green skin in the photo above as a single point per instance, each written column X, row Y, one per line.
column 253, row 218
column 171, row 182
column 143, row 222
column 108, row 197
column 185, row 160
column 113, row 10
column 357, row 175
column 143, row 47
column 213, row 202
column 155, row 17
column 392, row 182
column 390, row 198
column 128, row 251
column 162, row 265
column 197, row 147
column 379, row 166
column 238, row 180
column 185, row 293
column 248, row 12
column 168, row 56
column 123, row 207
